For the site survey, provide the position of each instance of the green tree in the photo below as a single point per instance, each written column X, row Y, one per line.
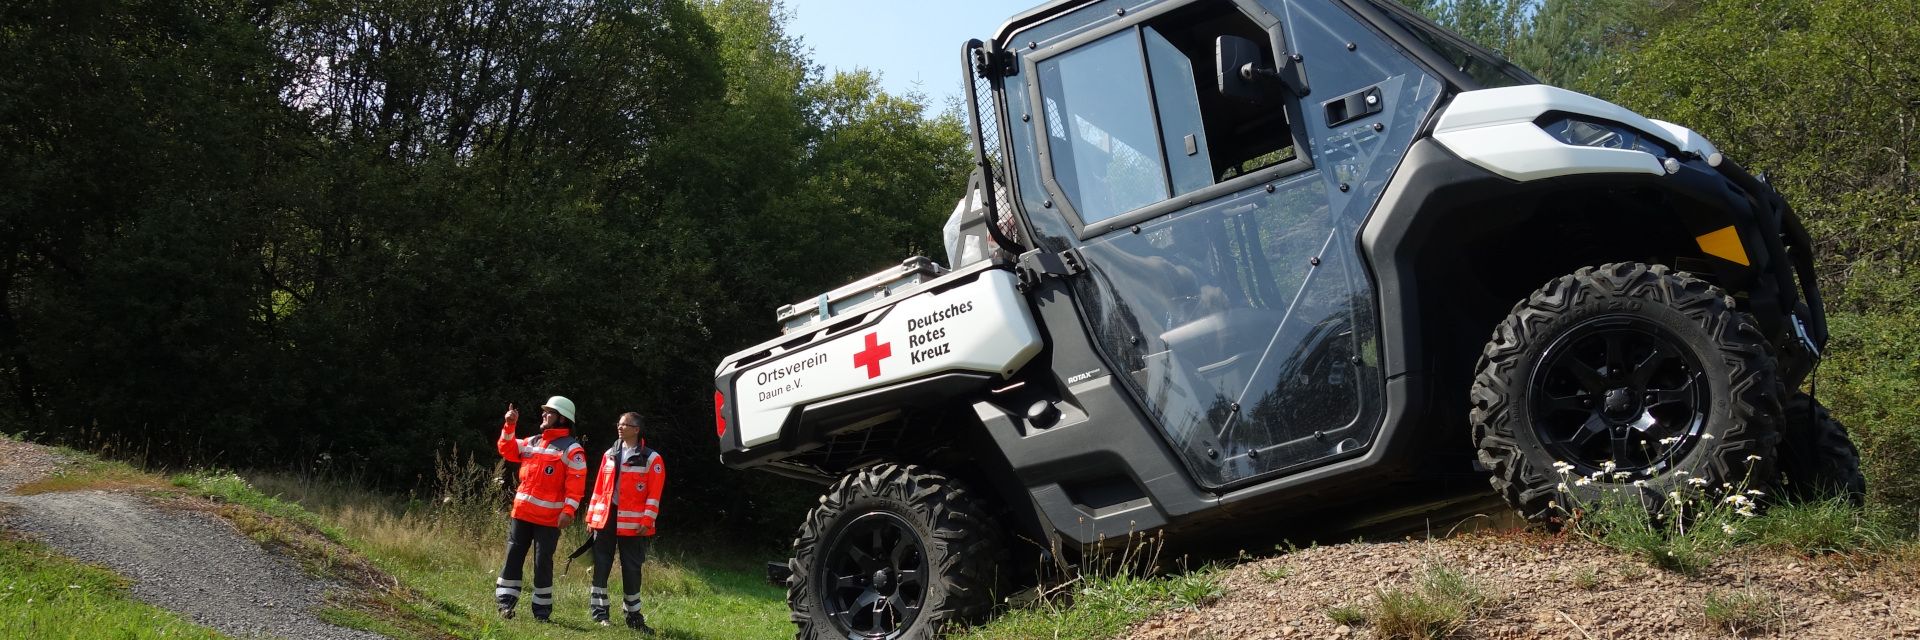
column 1560, row 41
column 249, row 233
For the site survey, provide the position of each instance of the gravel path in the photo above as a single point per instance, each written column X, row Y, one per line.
column 186, row 561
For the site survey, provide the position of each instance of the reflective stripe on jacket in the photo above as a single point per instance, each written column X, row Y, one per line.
column 638, row 479
column 553, row 474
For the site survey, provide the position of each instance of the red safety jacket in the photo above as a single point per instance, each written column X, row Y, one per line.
column 637, row 481
column 553, row 474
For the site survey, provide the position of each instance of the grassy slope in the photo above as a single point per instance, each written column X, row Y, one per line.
column 417, row 576
column 450, row 560
column 47, row 595
column 44, row 594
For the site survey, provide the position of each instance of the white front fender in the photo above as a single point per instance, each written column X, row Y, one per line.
column 1495, row 129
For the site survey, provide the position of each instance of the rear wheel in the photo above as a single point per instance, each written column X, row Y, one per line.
column 1622, row 378
column 1817, row 459
column 893, row 552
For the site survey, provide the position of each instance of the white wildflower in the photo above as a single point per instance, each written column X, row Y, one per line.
column 1753, row 457
column 1581, row 482
column 1698, row 482
column 1640, row 483
column 1755, row 492
column 1562, row 466
column 1621, row 476
column 1563, row 487
column 1607, row 466
column 1669, row 440
column 1681, row 472
column 1728, row 529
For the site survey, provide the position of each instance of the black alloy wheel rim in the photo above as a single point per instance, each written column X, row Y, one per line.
column 874, row 580
column 1621, row 390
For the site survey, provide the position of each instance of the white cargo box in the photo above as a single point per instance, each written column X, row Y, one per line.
column 976, row 321
column 858, row 293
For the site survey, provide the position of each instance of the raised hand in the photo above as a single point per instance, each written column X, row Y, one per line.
column 513, row 415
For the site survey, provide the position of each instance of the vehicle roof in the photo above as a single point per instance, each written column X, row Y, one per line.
column 1036, row 14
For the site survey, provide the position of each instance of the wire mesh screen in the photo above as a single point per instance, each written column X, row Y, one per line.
column 987, row 131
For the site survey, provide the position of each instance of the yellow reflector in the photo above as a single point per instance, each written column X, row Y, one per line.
column 1724, row 243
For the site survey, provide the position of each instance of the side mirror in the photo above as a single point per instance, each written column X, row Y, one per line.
column 1242, row 72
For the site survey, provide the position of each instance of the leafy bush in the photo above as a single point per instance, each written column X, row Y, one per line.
column 1870, row 380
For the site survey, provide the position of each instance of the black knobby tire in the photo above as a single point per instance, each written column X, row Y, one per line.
column 1817, row 459
column 908, row 510
column 1683, row 391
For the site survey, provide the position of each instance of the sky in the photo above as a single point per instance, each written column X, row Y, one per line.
column 913, row 44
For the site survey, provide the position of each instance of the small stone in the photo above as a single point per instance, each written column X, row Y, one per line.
column 1343, row 630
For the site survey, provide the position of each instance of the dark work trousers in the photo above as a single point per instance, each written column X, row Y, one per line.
column 507, row 588
column 633, row 551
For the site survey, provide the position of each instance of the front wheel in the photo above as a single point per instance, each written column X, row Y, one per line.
column 1817, row 459
column 1623, row 378
column 893, row 552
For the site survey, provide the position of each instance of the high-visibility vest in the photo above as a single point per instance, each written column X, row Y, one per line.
column 553, row 474
column 637, row 481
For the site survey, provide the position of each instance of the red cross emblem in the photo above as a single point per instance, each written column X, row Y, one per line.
column 874, row 353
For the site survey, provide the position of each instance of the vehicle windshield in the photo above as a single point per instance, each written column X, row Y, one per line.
column 1485, row 67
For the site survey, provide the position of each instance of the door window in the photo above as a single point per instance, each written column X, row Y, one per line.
column 1133, row 119
column 1100, row 127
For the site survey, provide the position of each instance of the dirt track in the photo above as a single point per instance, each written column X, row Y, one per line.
column 1538, row 591
column 186, row 561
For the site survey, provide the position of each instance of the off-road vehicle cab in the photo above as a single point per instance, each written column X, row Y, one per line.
column 1229, row 262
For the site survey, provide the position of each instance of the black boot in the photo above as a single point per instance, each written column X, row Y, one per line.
column 638, row 622
column 504, row 605
column 542, row 610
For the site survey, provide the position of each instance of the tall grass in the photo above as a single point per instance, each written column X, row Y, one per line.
column 1111, row 591
column 1819, row 527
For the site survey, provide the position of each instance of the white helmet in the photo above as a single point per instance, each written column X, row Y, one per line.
column 560, row 405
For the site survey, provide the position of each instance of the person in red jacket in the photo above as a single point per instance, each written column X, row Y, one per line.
column 626, row 500
column 553, row 475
